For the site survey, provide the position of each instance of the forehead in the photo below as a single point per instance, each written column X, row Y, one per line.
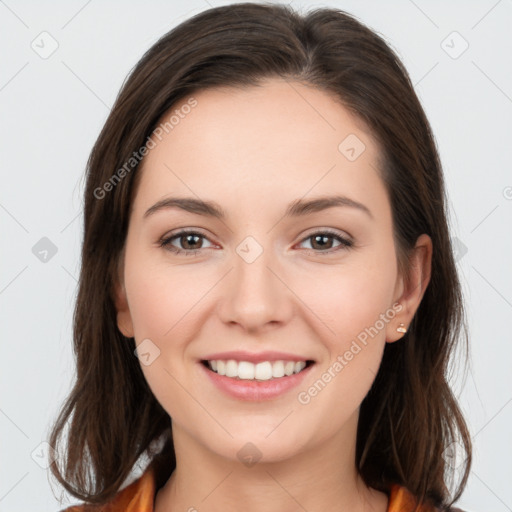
column 277, row 139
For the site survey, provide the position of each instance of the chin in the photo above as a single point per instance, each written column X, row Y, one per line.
column 258, row 447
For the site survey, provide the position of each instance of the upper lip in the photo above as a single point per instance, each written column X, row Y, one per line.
column 255, row 357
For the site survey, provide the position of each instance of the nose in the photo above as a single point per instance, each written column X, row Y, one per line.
column 255, row 295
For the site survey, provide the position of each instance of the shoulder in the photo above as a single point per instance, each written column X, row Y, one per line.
column 138, row 496
column 402, row 500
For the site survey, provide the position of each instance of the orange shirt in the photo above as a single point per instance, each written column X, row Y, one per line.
column 139, row 496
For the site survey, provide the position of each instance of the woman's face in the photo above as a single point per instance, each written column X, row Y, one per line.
column 270, row 276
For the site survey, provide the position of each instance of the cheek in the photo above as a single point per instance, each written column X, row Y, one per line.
column 350, row 299
column 358, row 309
column 163, row 304
column 162, row 296
column 167, row 306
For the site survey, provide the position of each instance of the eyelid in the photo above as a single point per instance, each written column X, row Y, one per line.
column 346, row 241
column 183, row 232
column 330, row 231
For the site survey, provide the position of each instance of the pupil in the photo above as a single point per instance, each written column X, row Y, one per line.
column 321, row 237
column 187, row 237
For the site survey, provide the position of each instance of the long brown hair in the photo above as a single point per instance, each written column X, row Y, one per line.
column 410, row 416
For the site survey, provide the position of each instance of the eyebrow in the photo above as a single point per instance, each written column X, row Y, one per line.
column 297, row 208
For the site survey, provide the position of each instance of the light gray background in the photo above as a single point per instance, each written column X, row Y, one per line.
column 52, row 110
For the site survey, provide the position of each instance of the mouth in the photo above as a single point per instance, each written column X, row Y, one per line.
column 258, row 372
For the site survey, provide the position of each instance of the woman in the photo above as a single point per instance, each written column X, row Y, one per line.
column 267, row 286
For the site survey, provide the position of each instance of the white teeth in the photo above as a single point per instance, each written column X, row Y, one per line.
column 231, row 368
column 289, row 367
column 221, row 367
column 263, row 371
column 299, row 365
column 245, row 370
column 260, row 371
column 278, row 369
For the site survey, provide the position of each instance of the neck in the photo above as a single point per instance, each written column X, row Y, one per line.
column 323, row 477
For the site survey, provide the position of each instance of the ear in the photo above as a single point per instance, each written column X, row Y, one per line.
column 124, row 319
column 411, row 288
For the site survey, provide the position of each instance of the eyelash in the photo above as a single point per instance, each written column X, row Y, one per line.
column 344, row 242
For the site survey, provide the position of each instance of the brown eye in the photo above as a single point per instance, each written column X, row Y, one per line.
column 322, row 242
column 191, row 242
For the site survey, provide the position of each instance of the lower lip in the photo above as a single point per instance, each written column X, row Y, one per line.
column 255, row 390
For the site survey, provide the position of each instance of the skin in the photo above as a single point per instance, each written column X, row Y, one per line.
column 254, row 151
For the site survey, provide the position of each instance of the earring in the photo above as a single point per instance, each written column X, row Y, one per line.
column 401, row 328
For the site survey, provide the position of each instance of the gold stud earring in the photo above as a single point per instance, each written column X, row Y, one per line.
column 401, row 328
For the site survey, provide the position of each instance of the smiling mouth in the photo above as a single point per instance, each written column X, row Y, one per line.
column 264, row 371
